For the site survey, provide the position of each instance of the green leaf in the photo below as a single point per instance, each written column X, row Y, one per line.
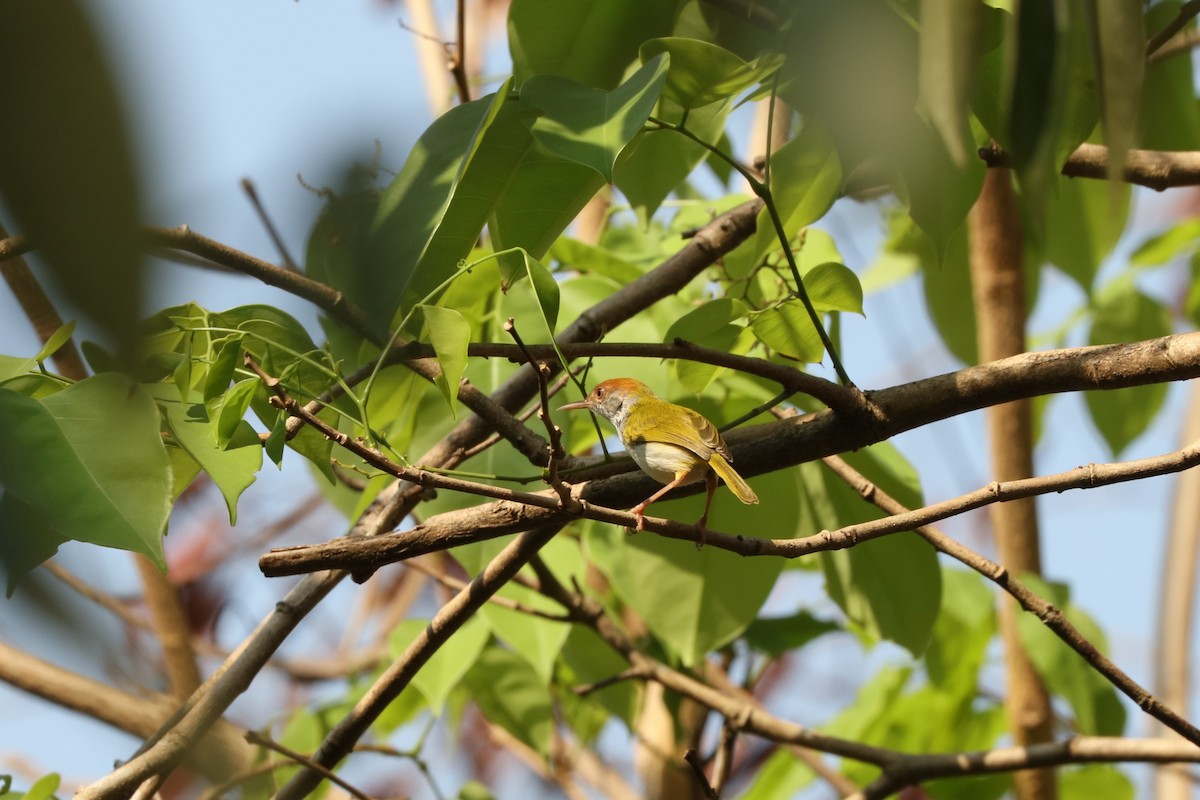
column 447, row 666
column 1038, row 50
column 233, row 466
column 220, row 372
column 1097, row 707
column 1123, row 314
column 964, row 627
column 474, row 790
column 589, row 126
column 90, row 460
column 44, row 788
column 1178, row 240
column 697, row 600
column 788, row 330
column 806, row 177
column 337, row 251
column 430, row 215
column 834, row 287
column 67, row 168
column 14, row 367
column 572, row 254
column 1082, row 226
column 1170, row 115
column 946, row 284
column 26, row 541
column 781, row 775
column 593, row 660
column 540, row 200
column 891, row 587
column 515, row 264
column 449, row 333
column 695, row 325
column 703, row 73
column 226, row 413
column 938, row 192
column 534, row 638
column 510, row 694
column 56, row 341
column 778, row 635
column 950, row 49
column 656, row 162
column 589, row 41
column 1120, row 35
column 1094, row 782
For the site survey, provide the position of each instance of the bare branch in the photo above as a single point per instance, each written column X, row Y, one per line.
column 1186, row 13
column 389, row 685
column 1050, row 616
column 254, row 737
column 1155, row 169
column 764, row 448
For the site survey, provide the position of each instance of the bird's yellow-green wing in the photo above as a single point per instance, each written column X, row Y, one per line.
column 710, row 440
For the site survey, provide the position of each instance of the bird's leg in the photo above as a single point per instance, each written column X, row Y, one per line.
column 710, row 479
column 639, row 510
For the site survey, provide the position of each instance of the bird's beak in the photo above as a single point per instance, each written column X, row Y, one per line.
column 581, row 404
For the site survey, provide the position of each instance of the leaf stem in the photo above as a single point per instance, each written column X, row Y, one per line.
column 763, row 191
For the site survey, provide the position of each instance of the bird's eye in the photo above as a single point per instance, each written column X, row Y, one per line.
column 599, row 391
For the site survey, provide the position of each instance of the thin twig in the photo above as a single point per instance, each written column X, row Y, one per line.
column 504, row 602
column 1050, row 616
column 265, row 218
column 554, row 433
column 458, row 62
column 448, row 619
column 254, row 737
column 693, row 760
column 1186, row 12
column 633, row 673
column 447, row 530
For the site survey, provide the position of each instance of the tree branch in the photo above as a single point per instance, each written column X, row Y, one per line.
column 998, row 293
column 914, row 769
column 449, row 619
column 1050, row 616
column 1155, row 169
column 763, row 448
column 221, row 752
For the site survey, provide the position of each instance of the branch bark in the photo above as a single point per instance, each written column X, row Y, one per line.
column 340, row 741
column 998, row 285
column 1175, row 619
column 763, row 448
column 1155, row 169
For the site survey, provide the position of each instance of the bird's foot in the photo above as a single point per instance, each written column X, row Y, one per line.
column 702, row 529
column 639, row 512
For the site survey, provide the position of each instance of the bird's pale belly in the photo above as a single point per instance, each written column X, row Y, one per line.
column 663, row 461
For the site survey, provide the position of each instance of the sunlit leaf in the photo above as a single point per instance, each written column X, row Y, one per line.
column 788, row 330
column 589, row 126
column 589, row 41
column 449, row 333
column 703, row 73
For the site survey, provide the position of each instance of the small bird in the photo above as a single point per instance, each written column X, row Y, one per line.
column 672, row 444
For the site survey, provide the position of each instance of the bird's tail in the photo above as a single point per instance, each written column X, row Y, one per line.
column 735, row 482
